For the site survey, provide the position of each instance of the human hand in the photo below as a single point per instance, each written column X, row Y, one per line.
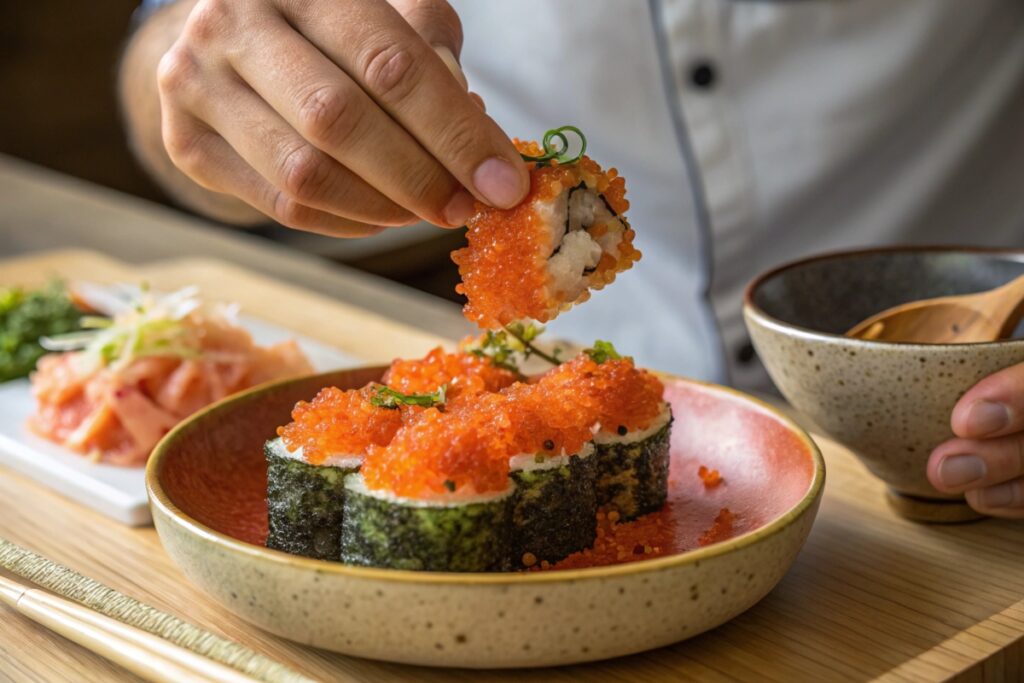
column 337, row 117
column 986, row 461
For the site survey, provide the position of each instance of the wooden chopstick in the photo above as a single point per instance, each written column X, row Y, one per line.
column 144, row 654
column 91, row 595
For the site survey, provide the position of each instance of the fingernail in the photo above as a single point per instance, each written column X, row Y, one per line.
column 999, row 496
column 448, row 57
column 986, row 417
column 960, row 470
column 498, row 182
column 459, row 208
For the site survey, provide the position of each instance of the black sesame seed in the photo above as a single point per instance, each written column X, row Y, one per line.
column 622, row 430
column 549, row 445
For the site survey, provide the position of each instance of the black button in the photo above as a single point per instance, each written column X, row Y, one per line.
column 745, row 353
column 702, row 75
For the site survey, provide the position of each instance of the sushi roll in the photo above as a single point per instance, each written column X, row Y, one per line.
column 305, row 502
column 453, row 533
column 554, row 508
column 308, row 462
column 632, row 467
column 567, row 237
column 438, row 497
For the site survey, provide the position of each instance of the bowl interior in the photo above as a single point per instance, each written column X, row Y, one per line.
column 212, row 468
column 834, row 292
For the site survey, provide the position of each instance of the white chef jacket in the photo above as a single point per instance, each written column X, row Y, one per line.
column 754, row 132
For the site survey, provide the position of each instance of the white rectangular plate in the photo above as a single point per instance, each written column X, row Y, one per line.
column 117, row 492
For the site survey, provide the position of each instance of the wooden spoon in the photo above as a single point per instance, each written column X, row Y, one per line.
column 985, row 316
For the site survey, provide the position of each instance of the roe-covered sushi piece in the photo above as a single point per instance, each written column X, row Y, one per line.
column 632, row 441
column 567, row 237
column 554, row 505
column 438, row 497
column 308, row 462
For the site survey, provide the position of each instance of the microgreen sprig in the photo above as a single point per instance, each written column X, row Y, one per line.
column 559, row 153
column 496, row 347
column 602, row 351
column 525, row 333
column 508, row 348
column 386, row 397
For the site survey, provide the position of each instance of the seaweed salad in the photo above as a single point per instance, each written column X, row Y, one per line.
column 25, row 317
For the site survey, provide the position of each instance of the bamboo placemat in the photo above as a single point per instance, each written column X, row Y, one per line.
column 70, row 584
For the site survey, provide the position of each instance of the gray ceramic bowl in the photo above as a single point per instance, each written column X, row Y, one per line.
column 889, row 403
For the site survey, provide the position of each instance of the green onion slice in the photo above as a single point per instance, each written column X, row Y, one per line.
column 559, row 152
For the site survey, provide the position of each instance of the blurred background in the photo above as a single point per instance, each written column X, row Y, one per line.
column 57, row 79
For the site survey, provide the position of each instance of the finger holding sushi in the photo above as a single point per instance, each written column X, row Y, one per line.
column 340, row 118
column 986, row 461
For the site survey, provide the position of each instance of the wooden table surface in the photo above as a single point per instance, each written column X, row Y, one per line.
column 871, row 596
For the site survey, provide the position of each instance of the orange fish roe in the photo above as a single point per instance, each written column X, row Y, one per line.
column 641, row 539
column 504, row 267
column 470, row 442
column 467, row 445
column 720, row 530
column 619, row 393
column 339, row 422
column 464, row 373
column 463, row 449
column 711, row 478
column 544, row 419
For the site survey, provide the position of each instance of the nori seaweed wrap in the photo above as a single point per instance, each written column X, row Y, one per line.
column 305, row 503
column 632, row 468
column 554, row 510
column 460, row 535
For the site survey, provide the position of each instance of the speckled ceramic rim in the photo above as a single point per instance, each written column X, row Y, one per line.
column 161, row 503
column 770, row 321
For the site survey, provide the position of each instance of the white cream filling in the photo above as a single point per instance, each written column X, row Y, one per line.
column 529, row 462
column 610, row 435
column 340, row 460
column 356, row 484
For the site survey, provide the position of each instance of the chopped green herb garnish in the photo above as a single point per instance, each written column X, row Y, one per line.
column 602, row 351
column 560, row 152
column 539, row 458
column 386, row 397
